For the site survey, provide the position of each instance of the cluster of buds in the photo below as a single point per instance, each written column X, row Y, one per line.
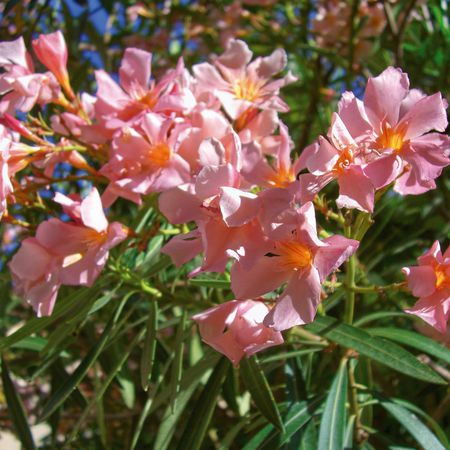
column 211, row 145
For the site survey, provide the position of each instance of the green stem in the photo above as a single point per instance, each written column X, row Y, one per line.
column 350, row 282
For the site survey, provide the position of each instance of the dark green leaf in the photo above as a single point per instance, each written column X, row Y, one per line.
column 379, row 350
column 259, row 389
column 202, row 411
column 413, row 425
column 205, row 282
column 65, row 390
column 148, row 352
column 16, row 410
column 414, row 340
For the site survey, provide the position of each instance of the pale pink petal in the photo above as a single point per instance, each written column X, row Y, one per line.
column 384, row 170
column 238, row 207
column 212, row 178
column 421, row 280
column 92, row 213
column 339, row 134
column 426, row 115
column 271, row 65
column 298, row 303
column 338, row 250
column 323, row 159
column 180, row 204
column 383, row 96
column 260, row 279
column 351, row 111
column 184, row 247
column 135, row 71
column 355, row 190
column 32, row 261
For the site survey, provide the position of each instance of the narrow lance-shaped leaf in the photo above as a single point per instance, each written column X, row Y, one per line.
column 64, row 391
column 332, row 426
column 16, row 410
column 177, row 366
column 148, row 353
column 202, row 411
column 259, row 389
column 413, row 425
column 379, row 350
column 414, row 340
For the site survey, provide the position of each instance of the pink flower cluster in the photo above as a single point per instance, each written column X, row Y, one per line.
column 212, row 146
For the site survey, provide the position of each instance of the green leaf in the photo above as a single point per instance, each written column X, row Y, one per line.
column 259, row 389
column 414, row 340
column 63, row 306
column 413, row 425
column 297, row 417
column 177, row 366
column 379, row 350
column 66, row 388
column 380, row 315
column 332, row 425
column 16, row 410
column 101, row 391
column 202, row 411
column 206, row 282
column 148, row 352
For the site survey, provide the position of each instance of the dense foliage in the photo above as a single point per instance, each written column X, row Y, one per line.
column 152, row 205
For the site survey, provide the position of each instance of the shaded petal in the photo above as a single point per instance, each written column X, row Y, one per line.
column 421, row 280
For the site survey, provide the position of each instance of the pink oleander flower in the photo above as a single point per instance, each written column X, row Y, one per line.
column 138, row 92
column 145, row 161
column 397, row 122
column 51, row 50
column 242, row 86
column 71, row 253
column 236, row 329
column 20, row 87
column 337, row 159
column 430, row 281
column 297, row 257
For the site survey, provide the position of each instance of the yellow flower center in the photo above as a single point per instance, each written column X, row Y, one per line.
column 159, row 155
column 293, row 255
column 245, row 89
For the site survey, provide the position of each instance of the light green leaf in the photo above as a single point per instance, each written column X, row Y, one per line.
column 332, row 425
column 379, row 350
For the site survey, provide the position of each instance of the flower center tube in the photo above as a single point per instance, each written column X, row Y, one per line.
column 344, row 161
column 159, row 155
column 442, row 279
column 293, row 255
column 391, row 138
column 246, row 89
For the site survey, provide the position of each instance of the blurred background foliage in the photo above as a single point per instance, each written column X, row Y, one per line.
column 82, row 371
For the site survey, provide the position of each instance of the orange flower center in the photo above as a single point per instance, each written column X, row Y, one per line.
column 391, row 138
column 442, row 279
column 293, row 255
column 344, row 161
column 159, row 155
column 246, row 89
column 282, row 178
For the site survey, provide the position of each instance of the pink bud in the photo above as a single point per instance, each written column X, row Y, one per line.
column 51, row 50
